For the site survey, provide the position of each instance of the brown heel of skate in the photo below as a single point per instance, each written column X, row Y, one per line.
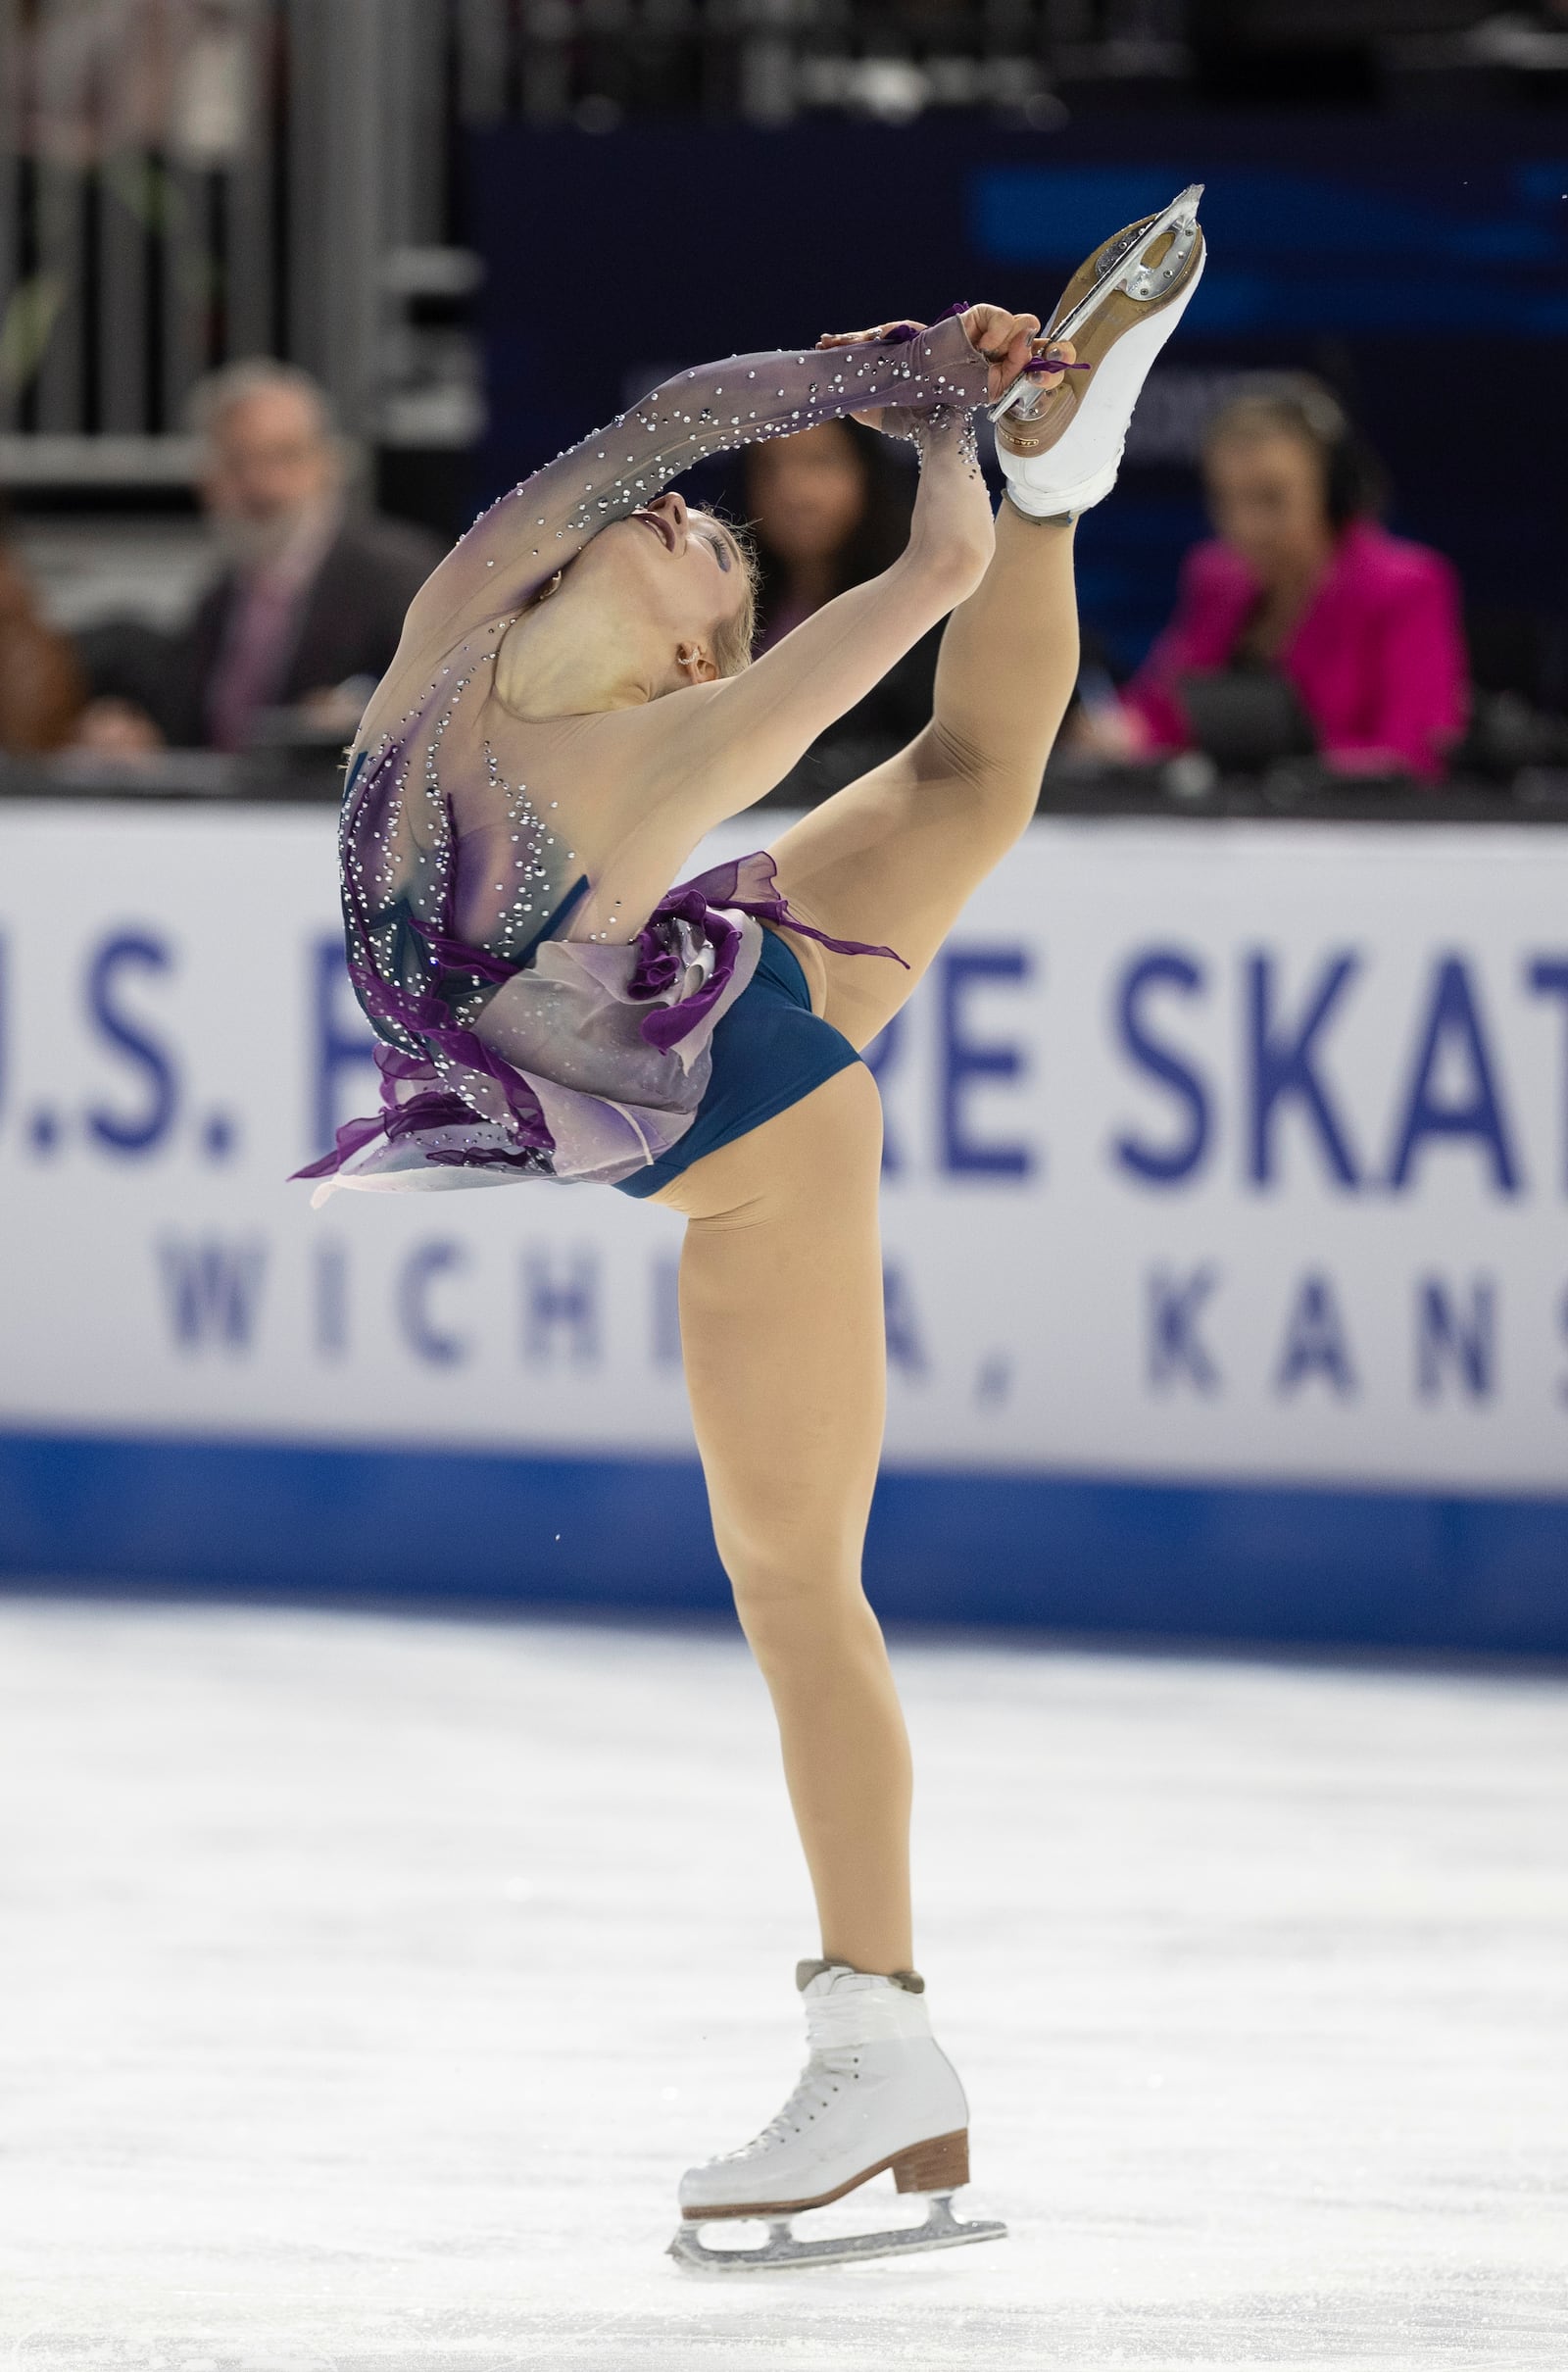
column 939, row 2165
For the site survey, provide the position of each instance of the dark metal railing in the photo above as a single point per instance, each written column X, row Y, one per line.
column 182, row 181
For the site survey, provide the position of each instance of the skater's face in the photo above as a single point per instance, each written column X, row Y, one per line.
column 658, row 601
column 1268, row 498
column 681, row 586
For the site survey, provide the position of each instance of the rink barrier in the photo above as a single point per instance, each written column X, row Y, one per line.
column 1241, row 1561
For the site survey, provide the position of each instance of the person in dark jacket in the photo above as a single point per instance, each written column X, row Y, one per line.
column 309, row 605
column 829, row 508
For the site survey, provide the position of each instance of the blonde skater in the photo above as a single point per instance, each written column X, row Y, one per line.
column 570, row 709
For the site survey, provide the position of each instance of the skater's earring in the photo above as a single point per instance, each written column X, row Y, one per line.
column 553, row 586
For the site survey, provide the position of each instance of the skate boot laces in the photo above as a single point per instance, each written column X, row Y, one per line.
column 825, row 2075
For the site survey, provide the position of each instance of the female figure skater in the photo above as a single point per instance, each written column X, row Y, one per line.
column 569, row 710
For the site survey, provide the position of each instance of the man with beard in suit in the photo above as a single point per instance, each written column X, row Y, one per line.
column 307, row 605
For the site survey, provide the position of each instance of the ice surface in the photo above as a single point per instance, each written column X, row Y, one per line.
column 367, row 1982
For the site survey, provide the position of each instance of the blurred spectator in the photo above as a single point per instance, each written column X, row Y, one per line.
column 1302, row 584
column 830, row 508
column 40, row 689
column 307, row 612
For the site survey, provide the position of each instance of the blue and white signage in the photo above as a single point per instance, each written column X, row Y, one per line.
column 1213, row 1152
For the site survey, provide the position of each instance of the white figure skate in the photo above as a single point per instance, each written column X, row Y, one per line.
column 1060, row 449
column 877, row 2095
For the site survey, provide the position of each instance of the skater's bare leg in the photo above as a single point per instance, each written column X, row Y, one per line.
column 893, row 858
column 783, row 1340
column 782, row 1281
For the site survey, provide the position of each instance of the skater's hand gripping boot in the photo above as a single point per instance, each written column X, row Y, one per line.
column 1061, row 447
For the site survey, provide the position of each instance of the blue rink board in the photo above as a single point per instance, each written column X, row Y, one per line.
column 1237, row 1560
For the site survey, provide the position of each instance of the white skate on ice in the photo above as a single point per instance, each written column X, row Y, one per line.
column 1060, row 448
column 877, row 2095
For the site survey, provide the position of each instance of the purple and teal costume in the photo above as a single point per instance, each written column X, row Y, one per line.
column 507, row 1048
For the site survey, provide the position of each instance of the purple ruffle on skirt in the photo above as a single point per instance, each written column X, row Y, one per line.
column 470, row 1109
column 431, row 1106
column 429, row 1109
column 747, row 885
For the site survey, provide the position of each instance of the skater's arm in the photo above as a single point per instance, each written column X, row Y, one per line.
column 713, row 750
column 518, row 544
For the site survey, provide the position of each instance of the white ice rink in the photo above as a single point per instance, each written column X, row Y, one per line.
column 369, row 1982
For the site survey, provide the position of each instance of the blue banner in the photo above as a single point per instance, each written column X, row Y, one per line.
column 1421, row 267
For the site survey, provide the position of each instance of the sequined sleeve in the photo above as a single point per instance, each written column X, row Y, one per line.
column 525, row 536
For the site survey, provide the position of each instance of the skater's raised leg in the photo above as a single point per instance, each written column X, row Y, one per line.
column 895, row 856
column 899, row 852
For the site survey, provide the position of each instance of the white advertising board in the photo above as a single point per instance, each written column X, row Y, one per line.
column 1214, row 1150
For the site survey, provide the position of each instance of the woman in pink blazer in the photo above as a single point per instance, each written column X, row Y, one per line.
column 1304, row 581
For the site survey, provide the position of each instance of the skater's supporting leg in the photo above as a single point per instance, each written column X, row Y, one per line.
column 783, row 1342
column 781, row 1284
column 894, row 856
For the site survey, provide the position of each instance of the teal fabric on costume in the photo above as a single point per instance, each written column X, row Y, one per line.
column 770, row 1051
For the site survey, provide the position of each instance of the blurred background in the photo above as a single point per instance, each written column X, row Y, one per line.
column 1226, row 1156
column 399, row 1888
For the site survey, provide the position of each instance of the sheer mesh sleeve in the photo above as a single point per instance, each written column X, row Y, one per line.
column 525, row 537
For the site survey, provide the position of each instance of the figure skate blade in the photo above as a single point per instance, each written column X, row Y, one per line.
column 781, row 2250
column 1121, row 267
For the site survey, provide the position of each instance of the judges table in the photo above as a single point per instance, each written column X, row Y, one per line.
column 1226, row 1275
